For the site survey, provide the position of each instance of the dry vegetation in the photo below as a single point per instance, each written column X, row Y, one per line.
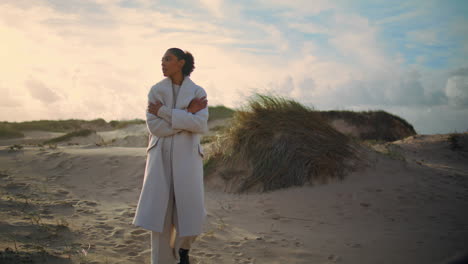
column 276, row 143
column 78, row 133
column 15, row 129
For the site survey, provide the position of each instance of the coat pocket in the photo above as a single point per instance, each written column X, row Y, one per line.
column 200, row 150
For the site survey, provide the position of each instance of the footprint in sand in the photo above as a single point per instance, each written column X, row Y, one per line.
column 122, row 189
column 120, row 246
column 212, row 255
column 132, row 254
column 86, row 211
column 138, row 232
column 104, row 226
column 101, row 217
column 234, row 244
column 87, row 203
column 118, row 233
column 4, row 175
column 128, row 213
column 17, row 186
column 62, row 192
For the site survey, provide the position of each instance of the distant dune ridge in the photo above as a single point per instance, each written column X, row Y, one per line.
column 369, row 125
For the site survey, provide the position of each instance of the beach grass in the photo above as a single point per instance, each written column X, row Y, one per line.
column 8, row 132
column 274, row 143
column 117, row 124
column 68, row 136
column 15, row 129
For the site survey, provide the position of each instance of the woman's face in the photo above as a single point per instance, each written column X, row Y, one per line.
column 171, row 65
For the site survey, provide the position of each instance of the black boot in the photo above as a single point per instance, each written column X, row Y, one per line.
column 183, row 256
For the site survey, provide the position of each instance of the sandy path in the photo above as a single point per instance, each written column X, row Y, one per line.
column 393, row 212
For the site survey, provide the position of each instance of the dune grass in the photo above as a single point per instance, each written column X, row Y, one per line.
column 53, row 125
column 458, row 141
column 68, row 136
column 219, row 112
column 15, row 129
column 7, row 132
column 275, row 143
column 117, row 124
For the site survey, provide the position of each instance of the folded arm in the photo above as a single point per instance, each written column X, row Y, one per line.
column 193, row 119
column 195, row 123
column 159, row 127
column 156, row 125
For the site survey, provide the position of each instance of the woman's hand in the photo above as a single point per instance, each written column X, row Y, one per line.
column 197, row 104
column 154, row 108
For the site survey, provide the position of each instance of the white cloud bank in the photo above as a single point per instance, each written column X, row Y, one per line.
column 97, row 59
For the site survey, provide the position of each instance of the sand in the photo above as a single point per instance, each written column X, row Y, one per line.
column 75, row 204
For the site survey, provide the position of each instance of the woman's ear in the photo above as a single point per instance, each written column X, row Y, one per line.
column 181, row 63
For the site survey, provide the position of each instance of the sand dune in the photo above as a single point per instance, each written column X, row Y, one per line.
column 75, row 204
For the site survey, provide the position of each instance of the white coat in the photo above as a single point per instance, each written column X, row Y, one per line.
column 187, row 164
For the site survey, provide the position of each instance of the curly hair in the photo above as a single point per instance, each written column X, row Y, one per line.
column 189, row 65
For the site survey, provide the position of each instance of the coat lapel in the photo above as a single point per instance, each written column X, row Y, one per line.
column 184, row 97
column 167, row 92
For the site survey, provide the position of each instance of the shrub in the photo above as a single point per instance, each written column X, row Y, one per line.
column 276, row 143
column 78, row 133
column 458, row 141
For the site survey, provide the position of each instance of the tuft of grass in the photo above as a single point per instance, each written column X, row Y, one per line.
column 454, row 141
column 124, row 123
column 207, row 139
column 219, row 112
column 16, row 147
column 7, row 132
column 14, row 129
column 79, row 133
column 47, row 125
column 275, row 143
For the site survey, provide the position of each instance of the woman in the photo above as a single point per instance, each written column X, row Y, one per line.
column 171, row 202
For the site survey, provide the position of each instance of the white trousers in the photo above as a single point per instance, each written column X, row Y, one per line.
column 165, row 246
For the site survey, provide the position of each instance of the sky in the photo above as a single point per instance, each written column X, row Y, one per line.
column 88, row 59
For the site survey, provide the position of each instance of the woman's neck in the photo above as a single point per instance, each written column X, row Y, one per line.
column 177, row 79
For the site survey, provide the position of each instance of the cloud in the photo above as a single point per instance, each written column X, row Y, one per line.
column 456, row 88
column 433, row 119
column 41, row 92
column 214, row 6
column 298, row 7
column 309, row 28
column 425, row 37
column 383, row 89
column 8, row 100
column 98, row 58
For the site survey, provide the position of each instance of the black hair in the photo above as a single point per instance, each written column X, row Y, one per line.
column 184, row 55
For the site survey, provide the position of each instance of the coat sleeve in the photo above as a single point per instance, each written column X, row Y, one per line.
column 195, row 123
column 165, row 113
column 158, row 126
